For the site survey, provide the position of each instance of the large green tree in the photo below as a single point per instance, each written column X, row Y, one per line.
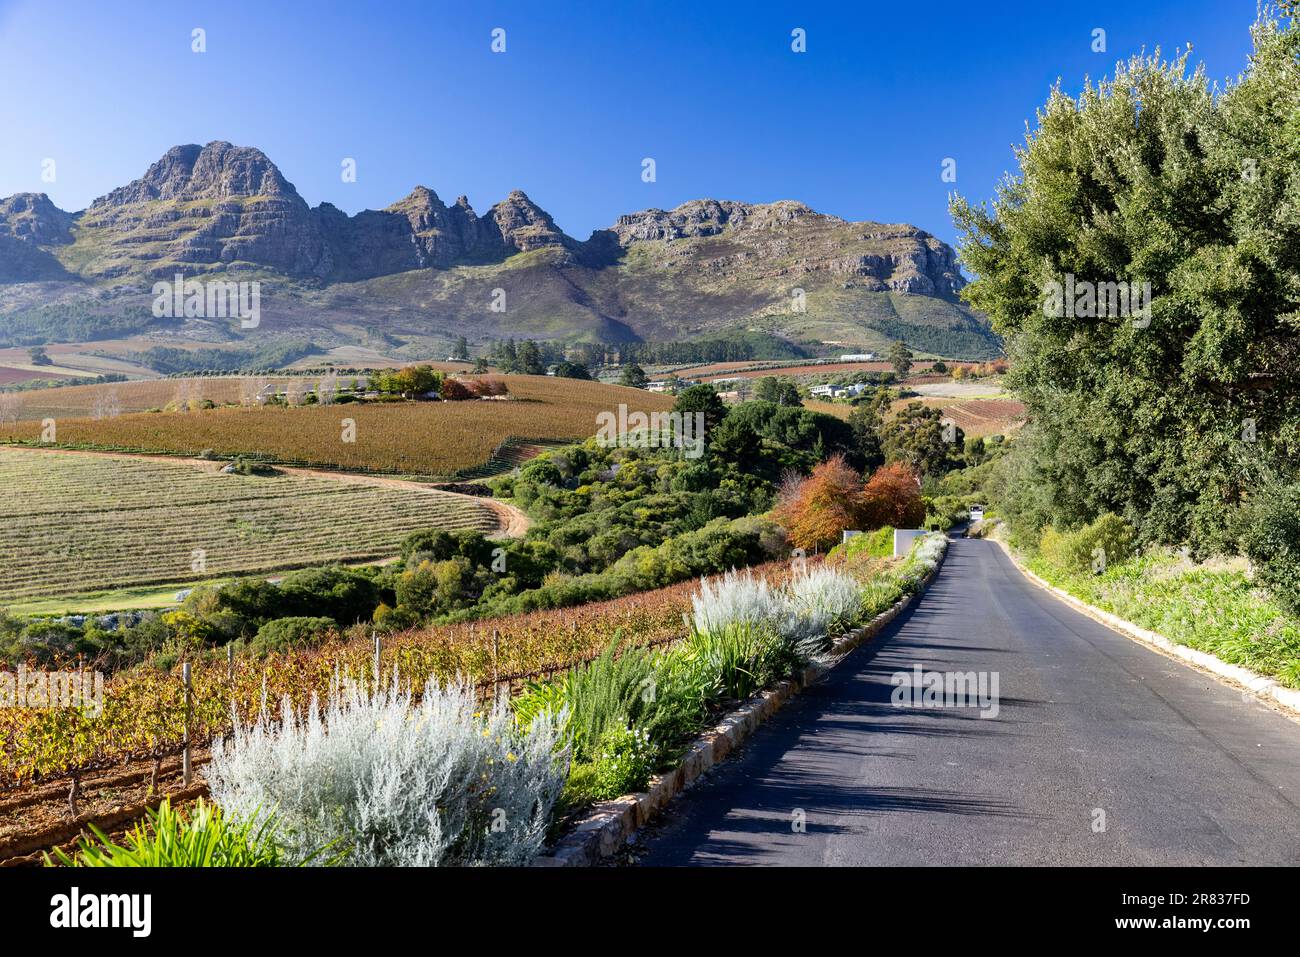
column 900, row 357
column 779, row 391
column 702, row 398
column 1172, row 415
column 918, row 436
column 633, row 375
column 867, row 420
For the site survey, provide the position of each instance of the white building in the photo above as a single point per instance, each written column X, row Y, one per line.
column 828, row 391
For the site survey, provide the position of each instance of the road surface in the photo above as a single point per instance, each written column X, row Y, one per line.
column 1102, row 752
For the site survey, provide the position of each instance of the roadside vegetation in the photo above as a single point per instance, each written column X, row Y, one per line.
column 381, row 776
column 1212, row 605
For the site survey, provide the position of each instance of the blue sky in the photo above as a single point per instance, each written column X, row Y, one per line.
column 858, row 126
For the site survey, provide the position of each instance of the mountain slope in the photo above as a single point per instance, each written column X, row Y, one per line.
column 420, row 271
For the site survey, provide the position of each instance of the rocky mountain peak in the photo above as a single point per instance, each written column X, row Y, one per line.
column 524, row 225
column 422, row 207
column 30, row 226
column 33, row 218
column 420, row 196
column 216, row 171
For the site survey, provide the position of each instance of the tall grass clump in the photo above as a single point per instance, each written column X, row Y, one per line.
column 383, row 779
column 203, row 837
column 740, row 659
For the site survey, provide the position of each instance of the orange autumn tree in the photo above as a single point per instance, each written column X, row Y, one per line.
column 892, row 497
column 817, row 509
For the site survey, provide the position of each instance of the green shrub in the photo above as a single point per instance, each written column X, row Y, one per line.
column 538, row 698
column 1083, row 548
column 345, row 594
column 243, row 466
column 580, row 789
column 612, row 692
column 282, row 634
column 945, row 511
column 1271, row 540
column 626, row 761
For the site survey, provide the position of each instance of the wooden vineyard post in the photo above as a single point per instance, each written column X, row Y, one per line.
column 230, row 664
column 187, row 768
column 496, row 667
column 377, row 651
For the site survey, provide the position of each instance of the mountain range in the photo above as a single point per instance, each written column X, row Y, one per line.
column 420, row 272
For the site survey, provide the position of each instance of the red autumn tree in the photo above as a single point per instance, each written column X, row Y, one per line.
column 486, row 387
column 892, row 496
column 817, row 509
column 453, row 390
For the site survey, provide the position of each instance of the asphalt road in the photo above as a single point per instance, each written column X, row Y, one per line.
column 1187, row 770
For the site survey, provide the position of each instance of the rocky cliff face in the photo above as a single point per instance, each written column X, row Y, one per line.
column 789, row 239
column 523, row 226
column 31, row 218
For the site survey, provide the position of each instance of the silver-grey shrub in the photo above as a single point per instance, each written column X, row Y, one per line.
column 802, row 612
column 382, row 779
column 736, row 598
column 824, row 601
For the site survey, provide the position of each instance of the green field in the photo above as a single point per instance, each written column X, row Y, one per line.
column 76, row 524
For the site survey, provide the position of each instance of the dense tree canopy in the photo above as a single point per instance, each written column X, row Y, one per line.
column 900, row 357
column 1171, row 416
